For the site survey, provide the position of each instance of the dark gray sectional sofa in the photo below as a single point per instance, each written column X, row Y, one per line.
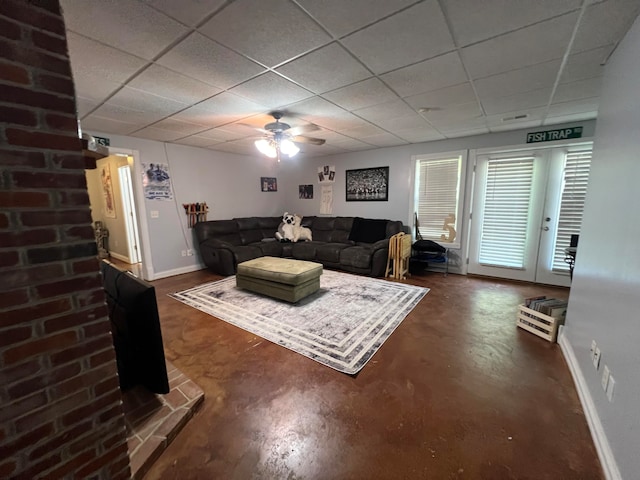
column 347, row 243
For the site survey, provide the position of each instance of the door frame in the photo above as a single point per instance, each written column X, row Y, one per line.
column 537, row 223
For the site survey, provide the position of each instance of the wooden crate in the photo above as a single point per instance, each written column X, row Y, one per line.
column 538, row 323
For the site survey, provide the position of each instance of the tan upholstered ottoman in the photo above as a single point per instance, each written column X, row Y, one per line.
column 282, row 278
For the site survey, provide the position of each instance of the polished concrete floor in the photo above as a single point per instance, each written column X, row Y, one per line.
column 457, row 392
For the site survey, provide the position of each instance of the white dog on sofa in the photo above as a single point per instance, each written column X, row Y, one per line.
column 292, row 229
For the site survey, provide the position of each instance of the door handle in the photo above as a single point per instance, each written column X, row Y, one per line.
column 546, row 229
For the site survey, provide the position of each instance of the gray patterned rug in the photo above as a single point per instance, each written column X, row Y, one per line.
column 342, row 325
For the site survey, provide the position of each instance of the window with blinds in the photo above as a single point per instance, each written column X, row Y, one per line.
column 438, row 195
column 574, row 191
column 507, row 201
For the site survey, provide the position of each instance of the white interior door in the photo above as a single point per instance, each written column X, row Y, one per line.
column 526, row 205
column 131, row 223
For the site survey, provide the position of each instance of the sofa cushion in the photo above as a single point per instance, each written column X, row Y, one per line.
column 368, row 230
column 250, row 236
column 305, row 250
column 215, row 229
column 270, row 248
column 359, row 257
column 330, row 252
column 246, row 252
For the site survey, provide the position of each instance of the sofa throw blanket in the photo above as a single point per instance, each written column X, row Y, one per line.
column 367, row 230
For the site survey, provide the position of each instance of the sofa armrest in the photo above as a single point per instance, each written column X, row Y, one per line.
column 380, row 244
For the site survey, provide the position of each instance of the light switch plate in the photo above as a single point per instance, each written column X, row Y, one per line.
column 605, row 378
column 610, row 387
column 596, row 358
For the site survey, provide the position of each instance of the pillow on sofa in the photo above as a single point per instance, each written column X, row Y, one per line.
column 367, row 230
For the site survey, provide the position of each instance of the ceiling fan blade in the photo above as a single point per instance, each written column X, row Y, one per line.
column 309, row 140
column 295, row 131
column 253, row 127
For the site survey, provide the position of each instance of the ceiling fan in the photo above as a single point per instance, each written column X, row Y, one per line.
column 279, row 138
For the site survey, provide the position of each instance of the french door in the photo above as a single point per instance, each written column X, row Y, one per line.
column 526, row 206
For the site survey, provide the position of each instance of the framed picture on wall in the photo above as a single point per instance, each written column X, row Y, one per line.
column 269, row 184
column 305, row 191
column 367, row 184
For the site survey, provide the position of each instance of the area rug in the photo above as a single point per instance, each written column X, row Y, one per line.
column 342, row 325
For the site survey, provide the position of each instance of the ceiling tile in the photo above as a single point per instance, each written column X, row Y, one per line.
column 509, row 127
column 458, row 94
column 341, row 18
column 519, row 101
column 108, row 125
column 129, row 25
column 97, row 80
column 535, row 44
column 196, row 141
column 222, row 134
column 517, row 81
column 175, row 125
column 394, row 109
column 439, row 72
column 189, row 12
column 466, row 133
column 84, row 106
column 473, row 20
column 574, row 117
column 408, row 122
column 139, row 117
column 169, row 84
column 271, row 32
column 455, row 114
column 360, row 95
column 588, row 88
column 410, row 36
column 384, row 140
column 584, row 105
column 417, row 135
column 219, row 110
column 617, row 15
column 585, row 64
column 310, row 70
column 509, row 118
column 365, row 130
column 205, row 60
column 148, row 102
column 160, row 134
column 271, row 90
column 321, row 112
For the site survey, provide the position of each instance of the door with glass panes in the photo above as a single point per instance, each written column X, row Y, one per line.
column 526, row 206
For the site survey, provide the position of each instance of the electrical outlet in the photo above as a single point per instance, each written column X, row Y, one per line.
column 610, row 387
column 184, row 253
column 596, row 358
column 593, row 349
column 189, row 253
column 605, row 378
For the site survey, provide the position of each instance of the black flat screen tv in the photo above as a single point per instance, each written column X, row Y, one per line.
column 135, row 327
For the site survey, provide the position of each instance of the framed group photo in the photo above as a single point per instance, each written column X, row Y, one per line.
column 269, row 184
column 367, row 184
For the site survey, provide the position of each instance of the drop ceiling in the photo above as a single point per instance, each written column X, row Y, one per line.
column 368, row 73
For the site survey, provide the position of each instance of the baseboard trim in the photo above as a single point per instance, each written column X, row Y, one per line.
column 117, row 256
column 178, row 271
column 608, row 461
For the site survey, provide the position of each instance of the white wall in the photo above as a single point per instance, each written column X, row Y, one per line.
column 401, row 171
column 603, row 305
column 230, row 185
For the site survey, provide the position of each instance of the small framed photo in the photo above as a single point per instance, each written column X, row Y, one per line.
column 305, row 191
column 367, row 185
column 269, row 184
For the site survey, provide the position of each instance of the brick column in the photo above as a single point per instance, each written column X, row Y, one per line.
column 61, row 411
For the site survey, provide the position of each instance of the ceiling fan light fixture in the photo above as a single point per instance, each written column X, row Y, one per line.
column 289, row 148
column 266, row 147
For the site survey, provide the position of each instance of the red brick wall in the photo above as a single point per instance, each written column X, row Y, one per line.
column 61, row 411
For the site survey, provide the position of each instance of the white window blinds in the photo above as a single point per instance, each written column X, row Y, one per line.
column 438, row 186
column 506, row 211
column 574, row 190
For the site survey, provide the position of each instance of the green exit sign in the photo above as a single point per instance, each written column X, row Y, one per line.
column 552, row 135
column 102, row 141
